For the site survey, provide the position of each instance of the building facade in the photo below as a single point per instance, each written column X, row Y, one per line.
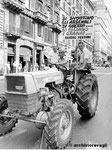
column 2, row 49
column 29, row 32
column 103, row 32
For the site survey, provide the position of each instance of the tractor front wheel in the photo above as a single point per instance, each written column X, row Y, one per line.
column 59, row 127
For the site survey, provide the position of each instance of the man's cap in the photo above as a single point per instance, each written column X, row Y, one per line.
column 61, row 50
column 80, row 42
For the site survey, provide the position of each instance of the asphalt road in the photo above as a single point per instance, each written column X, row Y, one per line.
column 97, row 130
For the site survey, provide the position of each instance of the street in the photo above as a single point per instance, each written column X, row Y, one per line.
column 97, row 130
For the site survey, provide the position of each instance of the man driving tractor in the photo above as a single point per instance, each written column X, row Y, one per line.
column 62, row 60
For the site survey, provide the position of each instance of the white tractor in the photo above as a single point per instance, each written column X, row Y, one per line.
column 47, row 98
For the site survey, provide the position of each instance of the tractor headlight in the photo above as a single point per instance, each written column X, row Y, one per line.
column 44, row 91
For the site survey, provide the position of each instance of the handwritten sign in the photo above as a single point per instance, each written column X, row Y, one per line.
column 80, row 27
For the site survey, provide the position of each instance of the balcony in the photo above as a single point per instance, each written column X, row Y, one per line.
column 40, row 17
column 12, row 32
column 14, row 5
column 28, row 12
column 57, row 27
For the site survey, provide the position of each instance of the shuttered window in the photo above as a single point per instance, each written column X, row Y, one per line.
column 12, row 22
column 40, row 27
column 45, row 34
column 26, row 26
column 48, row 35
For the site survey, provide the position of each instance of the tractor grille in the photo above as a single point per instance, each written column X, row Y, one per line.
column 19, row 101
column 16, row 84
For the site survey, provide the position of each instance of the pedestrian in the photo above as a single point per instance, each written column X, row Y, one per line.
column 14, row 66
column 36, row 67
column 20, row 67
column 8, row 67
column 26, row 67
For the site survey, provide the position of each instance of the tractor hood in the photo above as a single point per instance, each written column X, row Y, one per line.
column 31, row 82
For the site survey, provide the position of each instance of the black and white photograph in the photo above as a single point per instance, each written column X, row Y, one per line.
column 56, row 74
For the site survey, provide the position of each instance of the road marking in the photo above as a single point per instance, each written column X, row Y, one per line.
column 13, row 134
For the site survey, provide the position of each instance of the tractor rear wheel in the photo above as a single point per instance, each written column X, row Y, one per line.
column 87, row 94
column 6, row 124
column 59, row 127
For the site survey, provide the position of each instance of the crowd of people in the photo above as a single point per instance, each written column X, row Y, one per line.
column 19, row 67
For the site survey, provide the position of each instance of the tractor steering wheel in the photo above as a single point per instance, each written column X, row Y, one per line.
column 60, row 66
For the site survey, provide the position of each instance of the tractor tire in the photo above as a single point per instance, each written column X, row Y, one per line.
column 87, row 95
column 59, row 127
column 6, row 124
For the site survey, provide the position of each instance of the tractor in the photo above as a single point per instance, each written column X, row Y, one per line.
column 47, row 99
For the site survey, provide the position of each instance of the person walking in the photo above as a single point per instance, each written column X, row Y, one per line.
column 8, row 67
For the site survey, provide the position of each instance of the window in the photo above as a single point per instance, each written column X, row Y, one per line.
column 56, row 3
column 39, row 33
column 12, row 23
column 27, row 4
column 80, row 8
column 73, row 43
column 85, row 2
column 56, row 17
column 48, row 14
column 64, row 5
column 73, row 13
column 73, row 2
column 56, row 38
column 77, row 4
column 39, row 6
column 69, row 11
column 26, row 26
column 68, row 41
column 48, row 35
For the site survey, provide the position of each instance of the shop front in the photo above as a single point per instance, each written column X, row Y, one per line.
column 39, row 57
column 11, row 57
column 26, row 58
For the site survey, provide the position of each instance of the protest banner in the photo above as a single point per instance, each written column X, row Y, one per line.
column 78, row 27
